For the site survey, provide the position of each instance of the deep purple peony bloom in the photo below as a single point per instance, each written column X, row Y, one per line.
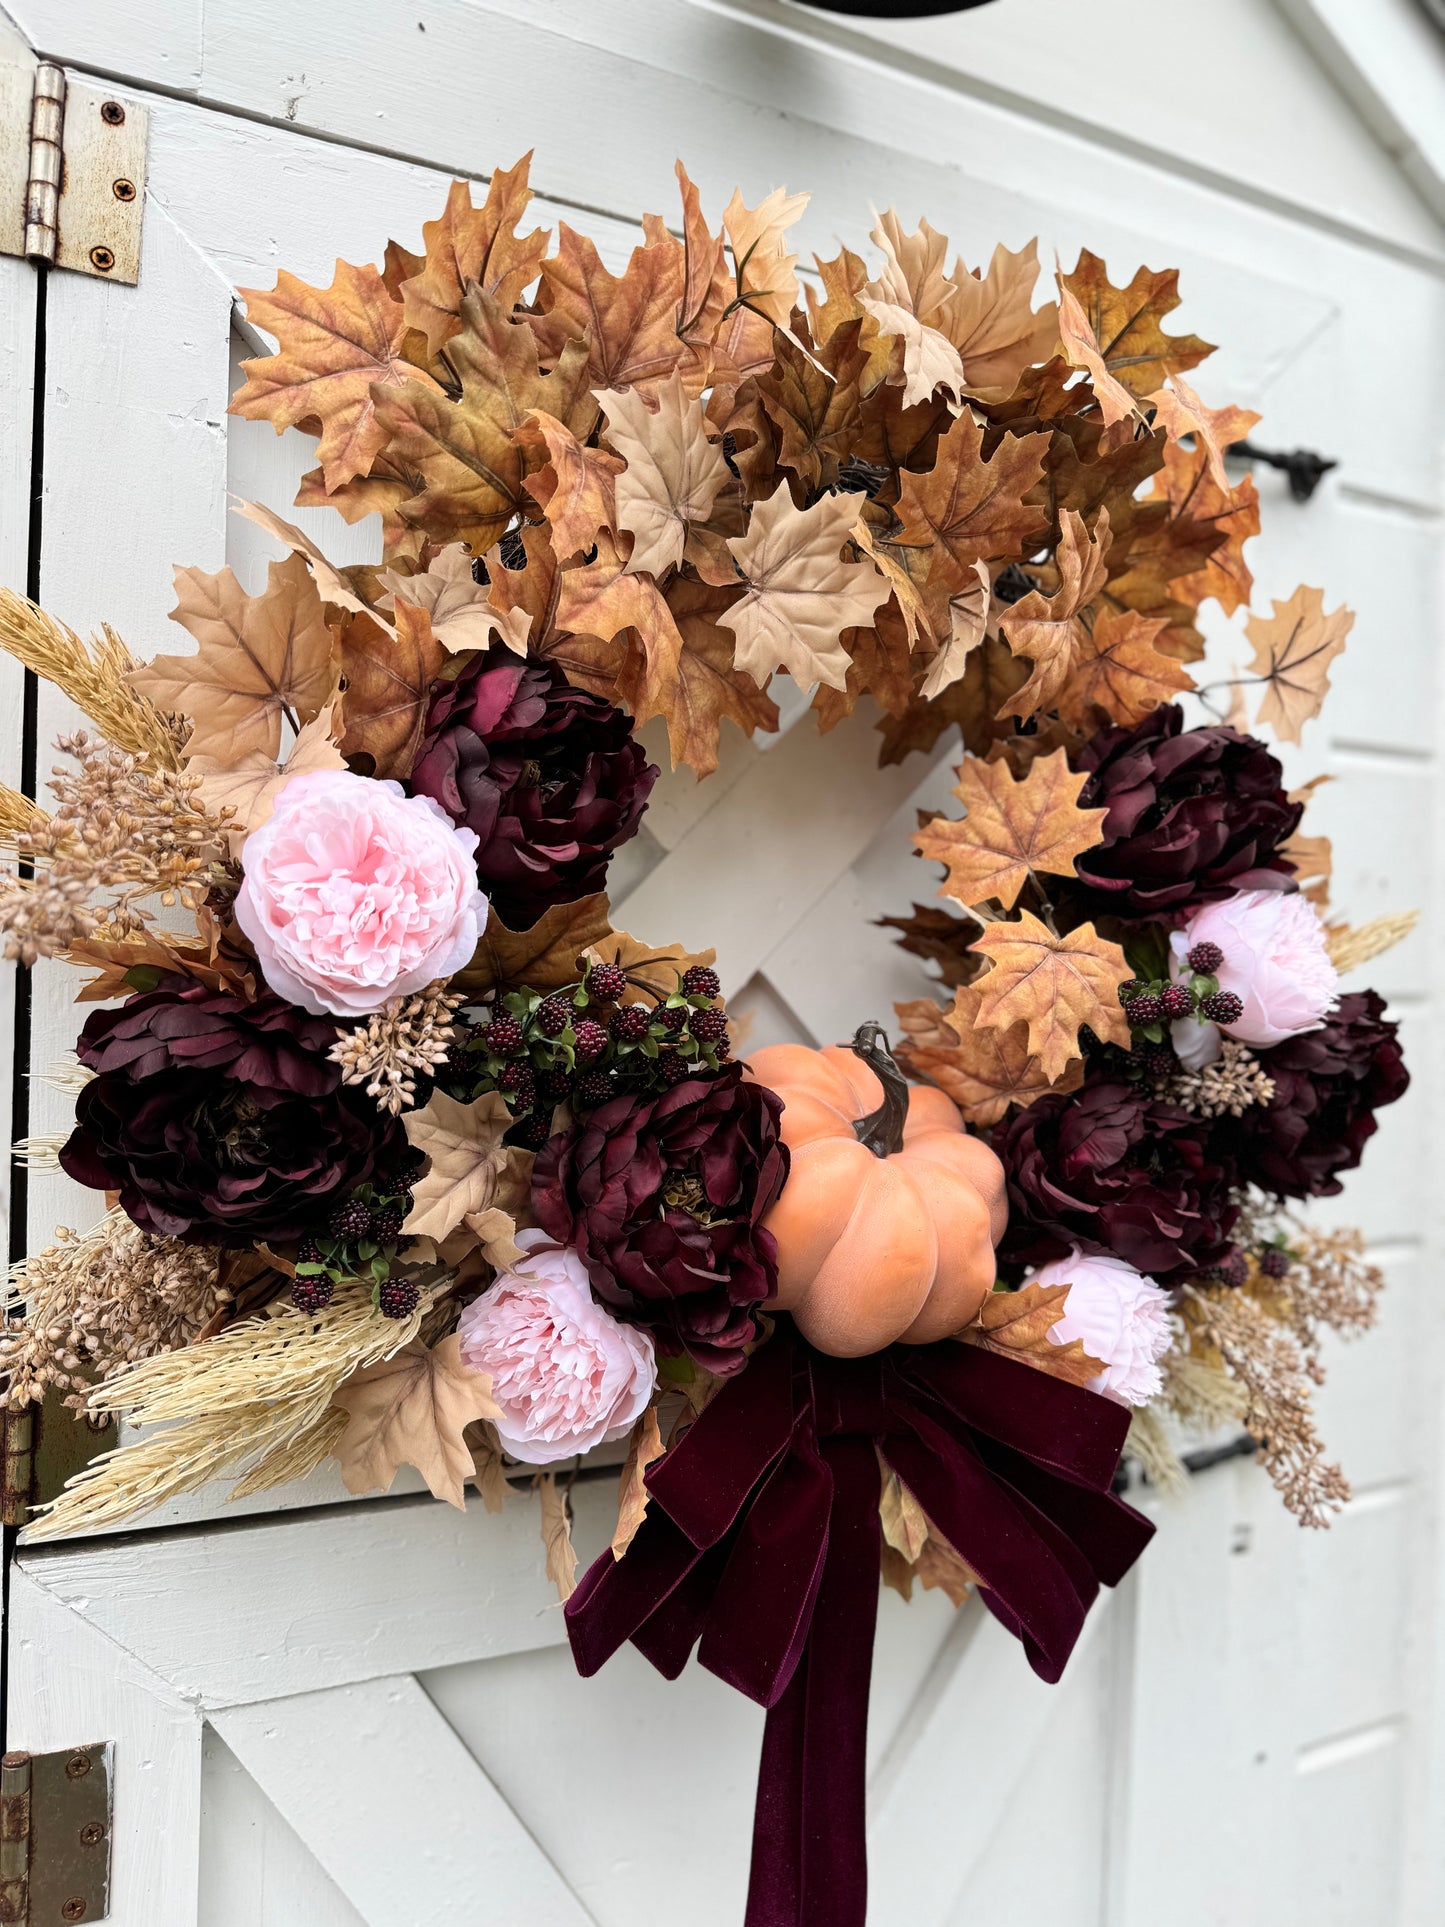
column 1328, row 1084
column 1110, row 1169
column 548, row 776
column 219, row 1121
column 661, row 1197
column 1194, row 815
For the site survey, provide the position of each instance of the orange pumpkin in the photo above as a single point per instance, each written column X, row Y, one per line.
column 887, row 1224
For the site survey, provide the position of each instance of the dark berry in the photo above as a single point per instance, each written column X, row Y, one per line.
column 1205, row 958
column 308, row 1252
column 630, row 1023
column 459, row 1061
column 504, row 1036
column 589, row 1042
column 1146, row 1008
column 709, row 1026
column 553, row 1016
column 672, row 1017
column 397, row 1297
column 312, row 1294
column 532, row 1131
column 520, row 1086
column 1129, row 991
column 672, row 1068
column 1157, row 1059
column 722, row 1050
column 1223, row 1007
column 591, row 1089
column 1273, row 1262
column 350, row 1221
column 607, row 983
column 1178, row 1000
column 386, row 1224
column 1231, row 1270
column 699, row 981
column 554, row 1087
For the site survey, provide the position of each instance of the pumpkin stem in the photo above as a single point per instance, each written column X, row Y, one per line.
column 881, row 1130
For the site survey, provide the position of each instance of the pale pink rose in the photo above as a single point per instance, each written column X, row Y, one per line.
column 1275, row 961
column 566, row 1373
column 1122, row 1318
column 355, row 893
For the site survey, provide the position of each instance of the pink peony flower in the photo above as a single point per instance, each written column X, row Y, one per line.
column 566, row 1373
column 1275, row 961
column 1122, row 1317
column 355, row 893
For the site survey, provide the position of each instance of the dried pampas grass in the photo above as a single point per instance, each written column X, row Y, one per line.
column 93, row 675
column 1350, row 948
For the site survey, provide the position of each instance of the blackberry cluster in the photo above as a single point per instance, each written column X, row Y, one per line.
column 363, row 1239
column 1153, row 1003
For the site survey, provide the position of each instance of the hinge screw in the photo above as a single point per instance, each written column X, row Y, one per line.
column 123, row 190
column 113, row 114
column 102, row 260
column 77, row 1766
column 74, row 1909
column 92, row 1834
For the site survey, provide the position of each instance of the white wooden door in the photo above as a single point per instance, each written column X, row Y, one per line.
column 333, row 1712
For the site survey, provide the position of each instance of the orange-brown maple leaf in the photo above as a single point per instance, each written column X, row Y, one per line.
column 1013, row 829
column 1018, row 1324
column 1118, row 670
column 627, row 322
column 574, row 486
column 1054, row 985
column 1199, row 511
column 1179, row 411
column 474, row 247
column 969, row 509
column 983, row 1070
column 1050, row 630
column 707, row 686
column 388, row 685
column 1293, row 650
column 1127, row 324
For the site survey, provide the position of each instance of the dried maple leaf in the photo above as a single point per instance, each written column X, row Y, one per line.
column 1126, row 324
column 495, row 1232
column 388, row 684
column 1118, row 671
column 801, row 595
column 1016, row 1324
column 647, row 970
column 251, row 787
column 599, row 598
column 544, row 956
column 707, row 286
column 336, row 345
column 644, row 1445
column 258, row 658
column 940, row 938
column 973, row 704
column 412, row 1409
column 930, row 362
column 968, row 612
column 1049, row 630
column 1179, row 411
column 880, row 661
column 904, row 1522
column 1293, row 650
column 673, row 476
column 766, row 276
column 1082, row 350
column 575, row 487
column 1053, row 984
column 626, row 326
column 331, row 585
column 466, row 452
column 1013, row 829
column 706, row 686
column 1201, row 516
column 213, row 961
column 970, row 509
column 983, row 1070
column 456, row 604
column 992, row 323
column 468, row 1164
column 556, row 1526
column 473, row 247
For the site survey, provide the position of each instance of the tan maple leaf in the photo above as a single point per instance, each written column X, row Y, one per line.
column 556, row 1528
column 706, row 686
column 258, row 659
column 930, row 361
column 969, row 509
column 473, row 247
column 651, row 972
column 1126, row 327
column 673, row 476
column 993, row 324
column 456, row 604
column 801, row 595
column 599, row 598
column 250, row 788
column 1054, row 985
column 336, row 347
column 546, row 956
column 1180, row 412
column 1293, row 650
column 1013, row 829
column 575, row 487
column 1016, row 1324
column 1200, row 513
column 624, row 325
column 412, row 1409
column 1118, row 670
column 983, row 1070
column 331, row 584
column 1050, row 630
column 212, row 961
column 968, row 617
column 388, row 684
column 904, row 1522
column 470, row 1169
column 1082, row 350
column 766, row 274
column 643, row 1446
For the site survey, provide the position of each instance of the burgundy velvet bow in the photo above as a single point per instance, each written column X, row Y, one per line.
column 761, row 1547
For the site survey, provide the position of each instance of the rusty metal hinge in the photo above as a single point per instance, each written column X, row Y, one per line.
column 17, row 1464
column 55, row 1811
column 72, row 171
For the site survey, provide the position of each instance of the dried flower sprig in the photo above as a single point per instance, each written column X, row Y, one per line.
column 410, row 1036
column 94, row 676
column 1331, row 1284
column 1226, row 1088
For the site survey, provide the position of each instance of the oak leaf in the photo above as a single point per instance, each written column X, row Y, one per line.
column 984, row 1071
column 643, row 1446
column 1179, row 411
column 471, row 247
column 251, row 787
column 545, row 956
column 1293, row 650
column 1126, row 325
column 1013, row 829
column 337, row 347
column 1050, row 630
column 388, row 686
column 412, row 1409
column 673, row 476
column 470, row 1167
column 801, row 595
column 456, row 604
column 767, row 280
column 972, row 509
column 651, row 973
column 1016, row 1324
column 575, row 487
column 556, row 1527
column 258, row 658
column 1120, row 672
column 1055, row 985
column 625, row 326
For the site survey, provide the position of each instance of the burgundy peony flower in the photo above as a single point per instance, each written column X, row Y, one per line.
column 1110, row 1169
column 547, row 775
column 1328, row 1084
column 661, row 1197
column 219, row 1121
column 1194, row 814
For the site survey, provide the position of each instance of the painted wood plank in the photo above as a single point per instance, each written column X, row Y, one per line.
column 255, row 1871
column 451, row 1847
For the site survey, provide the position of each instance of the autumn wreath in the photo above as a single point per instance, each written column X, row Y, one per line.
column 412, row 1158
